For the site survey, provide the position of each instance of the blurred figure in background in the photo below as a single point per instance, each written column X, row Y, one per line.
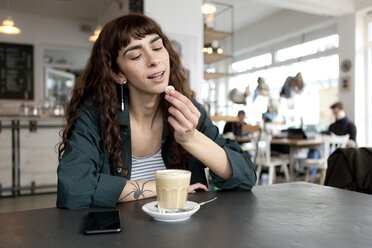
column 234, row 129
column 260, row 102
column 342, row 125
column 272, row 114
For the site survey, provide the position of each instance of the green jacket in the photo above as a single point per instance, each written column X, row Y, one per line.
column 84, row 178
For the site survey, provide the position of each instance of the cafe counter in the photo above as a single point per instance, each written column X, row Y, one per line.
column 28, row 158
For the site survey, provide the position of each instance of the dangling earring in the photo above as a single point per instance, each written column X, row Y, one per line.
column 122, row 96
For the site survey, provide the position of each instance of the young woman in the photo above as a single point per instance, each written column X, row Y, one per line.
column 121, row 127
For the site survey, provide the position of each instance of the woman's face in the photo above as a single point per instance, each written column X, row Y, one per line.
column 145, row 64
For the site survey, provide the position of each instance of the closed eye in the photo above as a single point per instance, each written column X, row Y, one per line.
column 137, row 57
column 158, row 48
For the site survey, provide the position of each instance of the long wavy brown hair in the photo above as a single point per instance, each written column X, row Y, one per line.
column 97, row 81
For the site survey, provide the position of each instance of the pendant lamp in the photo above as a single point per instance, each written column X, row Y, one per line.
column 208, row 8
column 7, row 26
column 95, row 35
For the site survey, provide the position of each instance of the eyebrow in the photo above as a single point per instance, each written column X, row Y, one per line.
column 140, row 46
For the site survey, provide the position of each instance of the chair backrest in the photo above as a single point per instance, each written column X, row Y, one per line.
column 264, row 148
column 250, row 128
column 256, row 131
column 332, row 142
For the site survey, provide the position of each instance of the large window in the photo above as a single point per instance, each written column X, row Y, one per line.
column 321, row 79
column 320, row 74
column 251, row 63
column 307, row 48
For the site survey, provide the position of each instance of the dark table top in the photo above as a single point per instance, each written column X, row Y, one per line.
column 281, row 215
column 297, row 142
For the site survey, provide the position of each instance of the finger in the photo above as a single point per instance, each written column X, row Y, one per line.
column 198, row 186
column 181, row 118
column 185, row 101
column 185, row 111
column 203, row 187
column 179, row 105
column 192, row 188
column 176, row 126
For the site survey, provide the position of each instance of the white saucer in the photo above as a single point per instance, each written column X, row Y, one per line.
column 152, row 210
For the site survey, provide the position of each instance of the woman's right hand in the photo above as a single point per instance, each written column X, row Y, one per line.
column 196, row 186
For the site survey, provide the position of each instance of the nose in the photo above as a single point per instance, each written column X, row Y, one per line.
column 155, row 63
column 153, row 60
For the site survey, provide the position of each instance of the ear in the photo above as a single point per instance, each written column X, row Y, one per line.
column 119, row 78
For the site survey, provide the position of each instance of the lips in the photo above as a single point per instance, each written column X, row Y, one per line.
column 157, row 75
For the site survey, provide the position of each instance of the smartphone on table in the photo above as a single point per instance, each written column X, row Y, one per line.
column 102, row 222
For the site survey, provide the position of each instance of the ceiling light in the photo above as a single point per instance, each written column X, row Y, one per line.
column 208, row 8
column 95, row 35
column 8, row 27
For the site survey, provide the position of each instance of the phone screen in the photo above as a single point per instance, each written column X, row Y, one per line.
column 102, row 222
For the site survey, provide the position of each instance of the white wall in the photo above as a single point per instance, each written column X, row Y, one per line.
column 361, row 4
column 182, row 19
column 353, row 46
column 346, row 31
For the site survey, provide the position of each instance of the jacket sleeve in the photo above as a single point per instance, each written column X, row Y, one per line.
column 243, row 172
column 84, row 179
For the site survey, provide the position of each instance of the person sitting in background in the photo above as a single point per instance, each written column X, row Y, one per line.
column 271, row 115
column 235, row 127
column 342, row 125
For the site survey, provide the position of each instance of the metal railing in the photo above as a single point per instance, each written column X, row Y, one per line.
column 15, row 127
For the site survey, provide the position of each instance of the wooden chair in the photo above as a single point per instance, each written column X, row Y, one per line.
column 331, row 143
column 250, row 128
column 264, row 159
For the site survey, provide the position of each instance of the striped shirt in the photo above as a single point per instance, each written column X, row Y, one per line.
column 143, row 168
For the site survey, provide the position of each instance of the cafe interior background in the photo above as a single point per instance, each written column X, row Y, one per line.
column 328, row 42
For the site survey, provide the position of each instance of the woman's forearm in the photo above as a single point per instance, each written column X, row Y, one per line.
column 140, row 189
column 137, row 189
column 210, row 154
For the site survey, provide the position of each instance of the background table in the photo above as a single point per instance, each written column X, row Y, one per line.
column 281, row 215
column 295, row 144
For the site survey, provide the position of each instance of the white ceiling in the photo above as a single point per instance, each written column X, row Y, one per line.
column 317, row 7
column 86, row 10
column 246, row 12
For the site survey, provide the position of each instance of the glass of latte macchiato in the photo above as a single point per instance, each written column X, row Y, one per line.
column 171, row 188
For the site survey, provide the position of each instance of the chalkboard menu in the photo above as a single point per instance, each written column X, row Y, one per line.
column 16, row 71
